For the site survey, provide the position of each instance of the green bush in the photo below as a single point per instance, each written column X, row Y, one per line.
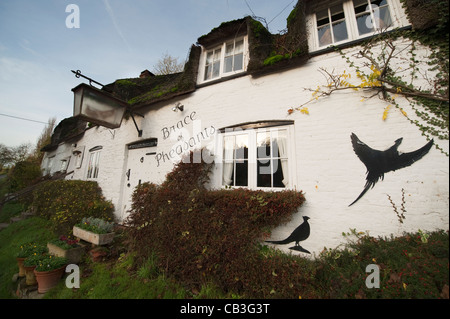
column 24, row 174
column 410, row 266
column 203, row 236
column 65, row 203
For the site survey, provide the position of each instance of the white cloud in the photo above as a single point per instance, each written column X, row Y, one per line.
column 116, row 25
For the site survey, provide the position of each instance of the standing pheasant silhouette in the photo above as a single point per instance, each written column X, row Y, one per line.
column 380, row 162
column 299, row 234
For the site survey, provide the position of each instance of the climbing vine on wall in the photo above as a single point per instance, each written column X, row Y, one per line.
column 391, row 66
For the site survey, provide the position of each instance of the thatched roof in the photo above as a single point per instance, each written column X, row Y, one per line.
column 268, row 53
column 68, row 130
column 151, row 89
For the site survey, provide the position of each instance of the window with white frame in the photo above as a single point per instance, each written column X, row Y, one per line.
column 331, row 25
column 372, row 15
column 64, row 164
column 347, row 20
column 223, row 60
column 94, row 162
column 257, row 158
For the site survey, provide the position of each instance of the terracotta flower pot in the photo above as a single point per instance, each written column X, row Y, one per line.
column 30, row 276
column 48, row 279
column 21, row 267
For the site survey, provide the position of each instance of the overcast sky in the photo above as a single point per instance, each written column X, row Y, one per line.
column 115, row 39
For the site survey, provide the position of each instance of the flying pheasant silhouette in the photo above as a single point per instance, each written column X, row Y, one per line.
column 299, row 234
column 380, row 162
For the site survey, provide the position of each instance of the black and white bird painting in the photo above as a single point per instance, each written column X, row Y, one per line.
column 380, row 162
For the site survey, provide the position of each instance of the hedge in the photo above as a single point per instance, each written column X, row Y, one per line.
column 203, row 236
column 65, row 203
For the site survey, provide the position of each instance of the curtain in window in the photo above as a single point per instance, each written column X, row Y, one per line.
column 228, row 160
column 282, row 149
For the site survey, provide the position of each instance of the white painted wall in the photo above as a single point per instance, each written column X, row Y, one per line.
column 327, row 169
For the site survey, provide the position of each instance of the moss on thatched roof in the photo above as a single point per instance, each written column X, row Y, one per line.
column 148, row 90
column 268, row 53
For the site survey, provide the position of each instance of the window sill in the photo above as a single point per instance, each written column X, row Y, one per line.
column 222, row 79
column 351, row 43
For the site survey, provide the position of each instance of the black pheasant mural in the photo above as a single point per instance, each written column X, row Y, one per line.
column 299, row 234
column 380, row 162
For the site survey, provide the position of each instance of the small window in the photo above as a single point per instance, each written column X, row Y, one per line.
column 348, row 20
column 234, row 56
column 372, row 15
column 64, row 165
column 94, row 162
column 212, row 65
column 331, row 25
column 224, row 60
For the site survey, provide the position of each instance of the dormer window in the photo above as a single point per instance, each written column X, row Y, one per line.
column 372, row 15
column 224, row 60
column 348, row 20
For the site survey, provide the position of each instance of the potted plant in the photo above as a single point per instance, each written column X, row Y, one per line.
column 30, row 264
column 94, row 230
column 49, row 271
column 26, row 250
column 68, row 248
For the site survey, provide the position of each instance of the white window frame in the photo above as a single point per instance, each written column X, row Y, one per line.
column 222, row 47
column 93, row 166
column 397, row 13
column 252, row 157
column 64, row 164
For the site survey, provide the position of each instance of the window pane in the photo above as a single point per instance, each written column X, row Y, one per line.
column 228, row 64
column 217, row 55
column 208, row 69
column 324, row 35
column 279, row 144
column 278, row 173
column 322, row 18
column 239, row 47
column 263, row 145
column 364, row 23
column 209, row 57
column 337, row 13
column 238, row 61
column 361, row 6
column 264, row 173
column 340, row 31
column 242, row 173
column 241, row 147
column 216, row 69
column 229, row 49
column 385, row 18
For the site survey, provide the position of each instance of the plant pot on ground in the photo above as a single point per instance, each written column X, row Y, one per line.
column 27, row 250
column 49, row 271
column 70, row 249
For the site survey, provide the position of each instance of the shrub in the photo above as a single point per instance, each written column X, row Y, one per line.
column 24, row 174
column 65, row 203
column 203, row 236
